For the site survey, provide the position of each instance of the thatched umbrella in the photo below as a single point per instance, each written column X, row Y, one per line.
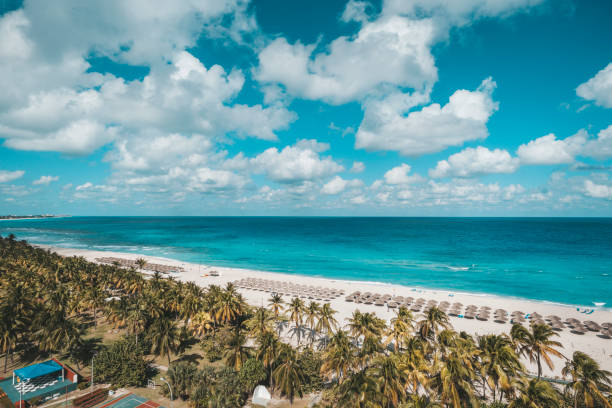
column 379, row 302
column 392, row 305
column 592, row 326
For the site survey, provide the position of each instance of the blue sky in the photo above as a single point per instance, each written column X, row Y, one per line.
column 476, row 108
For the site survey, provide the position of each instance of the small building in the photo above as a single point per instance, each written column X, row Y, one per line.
column 261, row 396
column 38, row 383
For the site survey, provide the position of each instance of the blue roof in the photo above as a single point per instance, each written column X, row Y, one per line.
column 38, row 370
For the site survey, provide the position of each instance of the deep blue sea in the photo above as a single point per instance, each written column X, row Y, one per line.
column 553, row 259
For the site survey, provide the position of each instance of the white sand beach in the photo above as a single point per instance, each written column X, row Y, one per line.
column 592, row 343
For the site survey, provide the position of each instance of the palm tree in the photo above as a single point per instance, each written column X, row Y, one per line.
column 296, row 309
column 420, row 401
column 237, row 352
column 535, row 393
column 164, row 337
column 141, row 263
column 229, row 306
column 201, row 323
column 536, row 344
column 360, row 389
column 312, row 313
column 261, row 321
column 339, row 357
column 400, row 329
column 289, row 376
column 268, row 351
column 434, row 319
column 454, row 380
column 499, row 362
column 276, row 303
column 588, row 381
column 327, row 323
column 365, row 325
column 391, row 379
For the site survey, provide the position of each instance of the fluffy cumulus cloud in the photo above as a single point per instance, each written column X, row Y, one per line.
column 338, row 185
column 598, row 88
column 6, row 176
column 474, row 162
column 595, row 190
column 297, row 163
column 550, row 150
column 601, row 147
column 400, row 175
column 45, row 180
column 350, row 67
column 386, row 126
column 53, row 101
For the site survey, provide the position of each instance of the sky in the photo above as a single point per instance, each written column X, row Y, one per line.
column 270, row 107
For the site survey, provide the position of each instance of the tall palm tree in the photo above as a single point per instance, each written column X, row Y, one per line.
column 327, row 323
column 535, row 393
column 400, row 329
column 289, row 376
column 296, row 310
column 237, row 352
column 141, row 263
column 164, row 337
column 454, row 380
column 536, row 344
column 499, row 363
column 228, row 307
column 433, row 320
column 276, row 303
column 311, row 313
column 261, row 322
column 360, row 390
column 391, row 378
column 588, row 381
column 365, row 325
column 201, row 323
column 268, row 351
column 339, row 358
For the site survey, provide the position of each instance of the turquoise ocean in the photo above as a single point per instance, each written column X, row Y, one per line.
column 563, row 260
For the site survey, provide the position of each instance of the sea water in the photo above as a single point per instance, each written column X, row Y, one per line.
column 565, row 260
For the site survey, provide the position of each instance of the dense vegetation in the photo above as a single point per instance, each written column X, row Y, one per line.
column 50, row 305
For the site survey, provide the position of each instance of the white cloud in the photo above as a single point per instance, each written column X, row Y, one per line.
column 399, row 175
column 182, row 97
column 358, row 167
column 457, row 12
column 6, row 176
column 550, row 150
column 360, row 199
column 386, row 126
column 356, row 10
column 338, row 185
column 296, row 163
column 475, row 161
column 84, row 186
column 600, row 148
column 350, row 68
column 45, row 180
column 597, row 190
column 598, row 88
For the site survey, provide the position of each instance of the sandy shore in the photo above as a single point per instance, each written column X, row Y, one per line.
column 597, row 347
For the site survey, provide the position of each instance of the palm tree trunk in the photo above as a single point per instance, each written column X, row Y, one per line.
column 539, row 367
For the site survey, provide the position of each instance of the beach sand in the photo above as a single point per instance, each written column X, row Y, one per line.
column 591, row 343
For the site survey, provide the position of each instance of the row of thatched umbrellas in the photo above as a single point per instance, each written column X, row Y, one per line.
column 290, row 289
column 129, row 263
column 377, row 299
column 483, row 313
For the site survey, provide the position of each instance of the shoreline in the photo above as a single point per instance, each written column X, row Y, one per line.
column 593, row 306
column 591, row 343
